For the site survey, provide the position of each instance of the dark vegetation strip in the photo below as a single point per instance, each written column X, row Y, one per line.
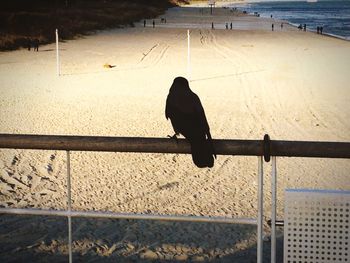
column 23, row 20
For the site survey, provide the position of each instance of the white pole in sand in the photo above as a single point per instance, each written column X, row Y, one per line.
column 57, row 55
column 188, row 56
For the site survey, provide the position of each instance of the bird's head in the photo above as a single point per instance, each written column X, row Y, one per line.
column 180, row 84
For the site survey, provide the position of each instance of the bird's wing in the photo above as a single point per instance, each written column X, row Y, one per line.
column 204, row 123
column 170, row 112
column 167, row 108
column 211, row 143
column 201, row 114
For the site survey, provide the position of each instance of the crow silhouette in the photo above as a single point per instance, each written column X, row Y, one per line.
column 187, row 117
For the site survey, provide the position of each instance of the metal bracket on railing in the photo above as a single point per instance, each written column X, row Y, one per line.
column 277, row 223
column 266, row 145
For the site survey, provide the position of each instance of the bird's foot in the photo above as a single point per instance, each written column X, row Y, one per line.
column 173, row 137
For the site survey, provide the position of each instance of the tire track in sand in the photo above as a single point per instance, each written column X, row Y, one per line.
column 153, row 56
column 242, row 66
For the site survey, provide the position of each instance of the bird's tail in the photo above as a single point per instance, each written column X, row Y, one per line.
column 202, row 153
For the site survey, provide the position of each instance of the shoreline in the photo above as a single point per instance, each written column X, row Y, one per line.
column 231, row 4
column 315, row 32
column 287, row 21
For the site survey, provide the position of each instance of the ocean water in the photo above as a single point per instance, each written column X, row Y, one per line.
column 334, row 15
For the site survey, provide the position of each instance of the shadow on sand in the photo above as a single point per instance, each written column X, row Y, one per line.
column 51, row 49
column 44, row 239
column 227, row 75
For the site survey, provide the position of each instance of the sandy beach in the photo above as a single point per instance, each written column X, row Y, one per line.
column 291, row 84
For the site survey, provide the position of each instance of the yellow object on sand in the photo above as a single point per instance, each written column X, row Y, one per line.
column 107, row 66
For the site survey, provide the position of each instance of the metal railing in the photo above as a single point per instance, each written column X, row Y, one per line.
column 164, row 145
column 262, row 148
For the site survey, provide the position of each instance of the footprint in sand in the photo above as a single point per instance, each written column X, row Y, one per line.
column 49, row 168
column 14, row 160
column 168, row 185
column 175, row 158
column 35, row 182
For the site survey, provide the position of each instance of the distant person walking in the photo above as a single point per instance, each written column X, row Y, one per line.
column 154, row 24
column 36, row 44
column 212, row 25
column 304, row 27
column 226, row 26
column 231, row 26
column 281, row 26
column 272, row 27
column 321, row 30
column 144, row 23
column 28, row 43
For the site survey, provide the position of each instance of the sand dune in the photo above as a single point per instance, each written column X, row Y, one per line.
column 292, row 85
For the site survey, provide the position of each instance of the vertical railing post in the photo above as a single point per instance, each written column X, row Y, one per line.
column 260, row 210
column 273, row 209
column 69, row 202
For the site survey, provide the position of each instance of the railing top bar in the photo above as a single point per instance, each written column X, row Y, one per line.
column 166, row 145
column 123, row 144
column 310, row 149
column 111, row 215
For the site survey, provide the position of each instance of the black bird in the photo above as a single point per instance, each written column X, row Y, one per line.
column 187, row 116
